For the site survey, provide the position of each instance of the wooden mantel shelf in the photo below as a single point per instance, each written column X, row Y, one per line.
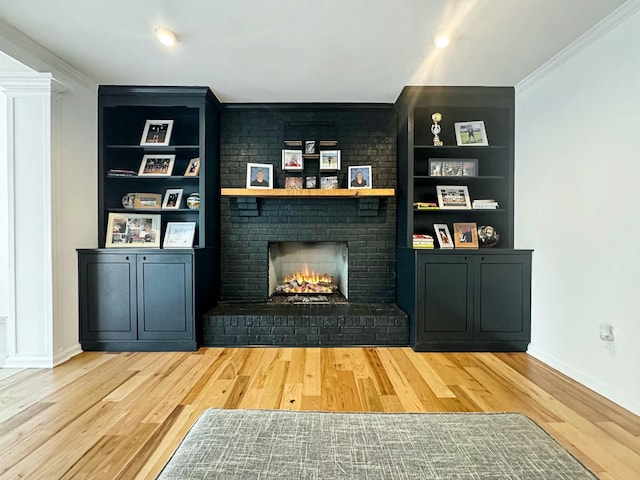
column 308, row 193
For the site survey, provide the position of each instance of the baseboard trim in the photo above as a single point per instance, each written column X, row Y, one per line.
column 67, row 354
column 28, row 361
column 588, row 381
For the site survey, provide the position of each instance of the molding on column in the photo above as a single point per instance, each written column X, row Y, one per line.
column 26, row 83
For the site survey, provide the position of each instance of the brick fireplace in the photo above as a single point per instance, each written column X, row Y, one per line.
column 366, row 226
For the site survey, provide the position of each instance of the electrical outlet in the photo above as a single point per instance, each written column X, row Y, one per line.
column 606, row 332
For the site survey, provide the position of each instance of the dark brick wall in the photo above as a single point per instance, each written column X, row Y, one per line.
column 366, row 136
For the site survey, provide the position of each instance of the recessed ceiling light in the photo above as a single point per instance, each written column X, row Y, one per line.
column 443, row 39
column 166, row 36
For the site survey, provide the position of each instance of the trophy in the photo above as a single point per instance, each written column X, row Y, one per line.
column 435, row 129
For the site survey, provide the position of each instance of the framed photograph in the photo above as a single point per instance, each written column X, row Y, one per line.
column 471, row 134
column 447, row 167
column 193, row 168
column 133, row 230
column 465, row 235
column 172, row 199
column 179, row 235
column 453, row 197
column 310, row 147
column 157, row 133
column 329, row 183
column 311, row 182
column 329, row 160
column 151, row 201
column 360, row 176
column 156, row 165
column 259, row 175
column 293, row 183
column 443, row 235
column 292, row 160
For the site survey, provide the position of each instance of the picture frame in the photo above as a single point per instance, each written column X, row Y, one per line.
column 193, row 168
column 329, row 160
column 127, row 230
column 292, row 160
column 156, row 166
column 360, row 177
column 172, row 199
column 260, row 175
column 445, row 240
column 309, row 147
column 329, row 183
column 311, row 182
column 293, row 183
column 179, row 235
column 471, row 134
column 465, row 235
column 147, row 201
column 453, row 167
column 453, row 197
column 156, row 133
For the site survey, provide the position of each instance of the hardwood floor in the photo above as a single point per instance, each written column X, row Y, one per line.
column 120, row 416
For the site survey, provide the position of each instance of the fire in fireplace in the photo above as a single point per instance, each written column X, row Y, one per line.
column 315, row 268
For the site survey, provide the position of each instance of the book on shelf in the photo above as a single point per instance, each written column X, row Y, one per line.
column 485, row 204
column 422, row 241
column 426, row 206
column 116, row 172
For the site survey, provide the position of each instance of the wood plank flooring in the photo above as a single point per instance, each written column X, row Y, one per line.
column 121, row 415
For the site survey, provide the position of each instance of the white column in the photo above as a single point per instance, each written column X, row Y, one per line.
column 26, row 159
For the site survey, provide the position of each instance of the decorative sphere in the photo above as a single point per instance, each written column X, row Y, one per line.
column 488, row 236
column 129, row 200
column 193, row 201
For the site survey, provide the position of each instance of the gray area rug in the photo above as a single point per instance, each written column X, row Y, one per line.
column 271, row 444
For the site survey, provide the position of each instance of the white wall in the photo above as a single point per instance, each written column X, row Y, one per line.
column 578, row 206
column 73, row 205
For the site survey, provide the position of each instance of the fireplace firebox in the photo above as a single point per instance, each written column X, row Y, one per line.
column 308, row 268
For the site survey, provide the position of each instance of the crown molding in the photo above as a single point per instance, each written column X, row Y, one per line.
column 596, row 32
column 30, row 53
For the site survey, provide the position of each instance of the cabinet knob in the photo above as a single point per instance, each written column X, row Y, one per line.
column 126, row 258
column 144, row 258
column 483, row 259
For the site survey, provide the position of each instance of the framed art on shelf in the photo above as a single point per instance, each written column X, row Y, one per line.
column 329, row 160
column 311, row 182
column 193, row 168
column 360, row 176
column 465, row 235
column 133, row 230
column 443, row 235
column 179, row 235
column 292, row 160
column 259, row 175
column 453, row 197
column 156, row 165
column 293, row 183
column 172, row 199
column 310, row 147
column 471, row 134
column 157, row 133
column 329, row 183
column 459, row 167
column 149, row 201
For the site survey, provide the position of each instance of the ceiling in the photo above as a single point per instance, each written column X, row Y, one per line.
column 303, row 50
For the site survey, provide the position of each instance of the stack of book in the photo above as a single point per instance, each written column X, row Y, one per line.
column 487, row 204
column 422, row 241
column 426, row 206
column 116, row 172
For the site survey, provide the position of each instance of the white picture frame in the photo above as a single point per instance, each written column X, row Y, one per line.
column 329, row 160
column 179, row 235
column 172, row 199
column 360, row 177
column 255, row 179
column 130, row 230
column 156, row 133
column 156, row 166
column 453, row 197
column 471, row 134
column 292, row 160
column 443, row 235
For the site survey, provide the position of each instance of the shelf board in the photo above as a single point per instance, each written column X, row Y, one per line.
column 460, row 178
column 456, row 210
column 308, row 193
column 153, row 210
column 459, row 147
column 172, row 178
column 167, row 148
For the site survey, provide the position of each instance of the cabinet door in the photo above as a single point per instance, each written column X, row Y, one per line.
column 165, row 297
column 107, row 296
column 444, row 298
column 503, row 297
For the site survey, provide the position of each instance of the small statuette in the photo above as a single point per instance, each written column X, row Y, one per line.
column 193, row 201
column 435, row 129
